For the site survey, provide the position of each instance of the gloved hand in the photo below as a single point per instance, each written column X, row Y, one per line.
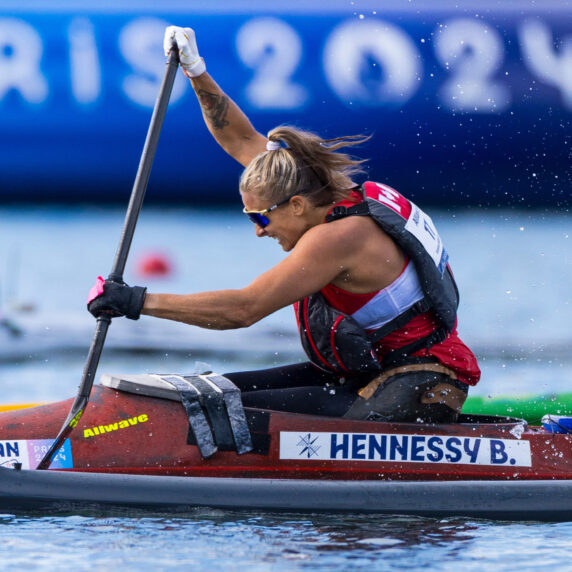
column 115, row 299
column 193, row 65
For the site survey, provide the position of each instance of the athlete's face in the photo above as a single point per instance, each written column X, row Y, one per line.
column 282, row 222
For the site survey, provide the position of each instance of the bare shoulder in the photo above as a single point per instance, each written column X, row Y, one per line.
column 364, row 257
column 344, row 233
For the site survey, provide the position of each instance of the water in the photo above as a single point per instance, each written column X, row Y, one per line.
column 214, row 540
column 514, row 269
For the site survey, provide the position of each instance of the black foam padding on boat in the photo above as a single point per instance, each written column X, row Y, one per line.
column 198, row 424
column 211, row 399
column 260, row 443
column 234, row 411
column 258, row 422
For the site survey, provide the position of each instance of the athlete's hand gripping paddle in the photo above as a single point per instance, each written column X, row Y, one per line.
column 135, row 202
column 184, row 39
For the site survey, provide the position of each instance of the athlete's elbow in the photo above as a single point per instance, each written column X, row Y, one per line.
column 243, row 317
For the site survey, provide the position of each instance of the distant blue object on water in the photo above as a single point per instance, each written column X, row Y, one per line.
column 557, row 424
column 469, row 103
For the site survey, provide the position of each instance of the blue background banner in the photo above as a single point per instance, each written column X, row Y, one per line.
column 467, row 105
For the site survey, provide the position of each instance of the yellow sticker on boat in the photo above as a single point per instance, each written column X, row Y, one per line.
column 401, row 448
column 115, row 426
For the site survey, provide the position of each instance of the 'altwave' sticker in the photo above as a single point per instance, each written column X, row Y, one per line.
column 404, row 448
column 29, row 453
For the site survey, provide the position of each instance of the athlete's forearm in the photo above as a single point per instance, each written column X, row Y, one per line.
column 227, row 123
column 218, row 310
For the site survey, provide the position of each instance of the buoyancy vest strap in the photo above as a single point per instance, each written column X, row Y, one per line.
column 359, row 209
column 417, row 309
column 439, row 290
column 367, row 391
column 420, row 307
column 197, row 420
column 397, row 355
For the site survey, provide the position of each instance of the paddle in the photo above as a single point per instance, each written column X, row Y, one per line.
column 135, row 202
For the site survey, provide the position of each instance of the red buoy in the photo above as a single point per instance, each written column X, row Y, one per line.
column 154, row 265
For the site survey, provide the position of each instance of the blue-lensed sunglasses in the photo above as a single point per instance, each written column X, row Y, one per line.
column 260, row 218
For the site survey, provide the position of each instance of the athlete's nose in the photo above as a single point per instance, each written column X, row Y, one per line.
column 260, row 232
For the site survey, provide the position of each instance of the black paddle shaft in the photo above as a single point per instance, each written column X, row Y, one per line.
column 137, row 196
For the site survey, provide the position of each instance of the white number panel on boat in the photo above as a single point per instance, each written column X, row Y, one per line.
column 30, row 452
column 404, row 448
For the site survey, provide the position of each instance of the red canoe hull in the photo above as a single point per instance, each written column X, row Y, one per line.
column 126, row 433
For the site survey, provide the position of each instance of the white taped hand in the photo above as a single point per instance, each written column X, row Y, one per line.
column 184, row 38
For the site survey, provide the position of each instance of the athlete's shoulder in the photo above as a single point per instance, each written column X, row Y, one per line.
column 340, row 236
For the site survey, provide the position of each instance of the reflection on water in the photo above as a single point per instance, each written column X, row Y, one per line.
column 213, row 539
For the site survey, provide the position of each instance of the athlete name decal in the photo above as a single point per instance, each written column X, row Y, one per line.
column 404, row 448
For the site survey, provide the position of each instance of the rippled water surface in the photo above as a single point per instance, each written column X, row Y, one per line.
column 514, row 270
column 206, row 540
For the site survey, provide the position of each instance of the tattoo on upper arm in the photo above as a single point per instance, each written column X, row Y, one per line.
column 215, row 108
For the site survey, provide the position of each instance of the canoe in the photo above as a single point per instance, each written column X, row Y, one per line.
column 175, row 442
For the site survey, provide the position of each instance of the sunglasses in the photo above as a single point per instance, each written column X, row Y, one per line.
column 260, row 217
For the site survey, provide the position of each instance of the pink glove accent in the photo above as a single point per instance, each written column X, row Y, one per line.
column 96, row 289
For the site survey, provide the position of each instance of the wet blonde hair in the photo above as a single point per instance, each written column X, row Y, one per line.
column 303, row 163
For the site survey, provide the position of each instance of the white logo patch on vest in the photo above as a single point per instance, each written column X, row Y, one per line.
column 420, row 225
column 405, row 448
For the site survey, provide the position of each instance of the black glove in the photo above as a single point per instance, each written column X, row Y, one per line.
column 116, row 299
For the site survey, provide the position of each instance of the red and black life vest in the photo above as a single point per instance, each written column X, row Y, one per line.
column 335, row 341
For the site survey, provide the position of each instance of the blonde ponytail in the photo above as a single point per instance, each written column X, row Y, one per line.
column 301, row 161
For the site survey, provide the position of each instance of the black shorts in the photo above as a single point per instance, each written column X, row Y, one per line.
column 304, row 388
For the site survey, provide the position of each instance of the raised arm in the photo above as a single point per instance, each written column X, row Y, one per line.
column 227, row 123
